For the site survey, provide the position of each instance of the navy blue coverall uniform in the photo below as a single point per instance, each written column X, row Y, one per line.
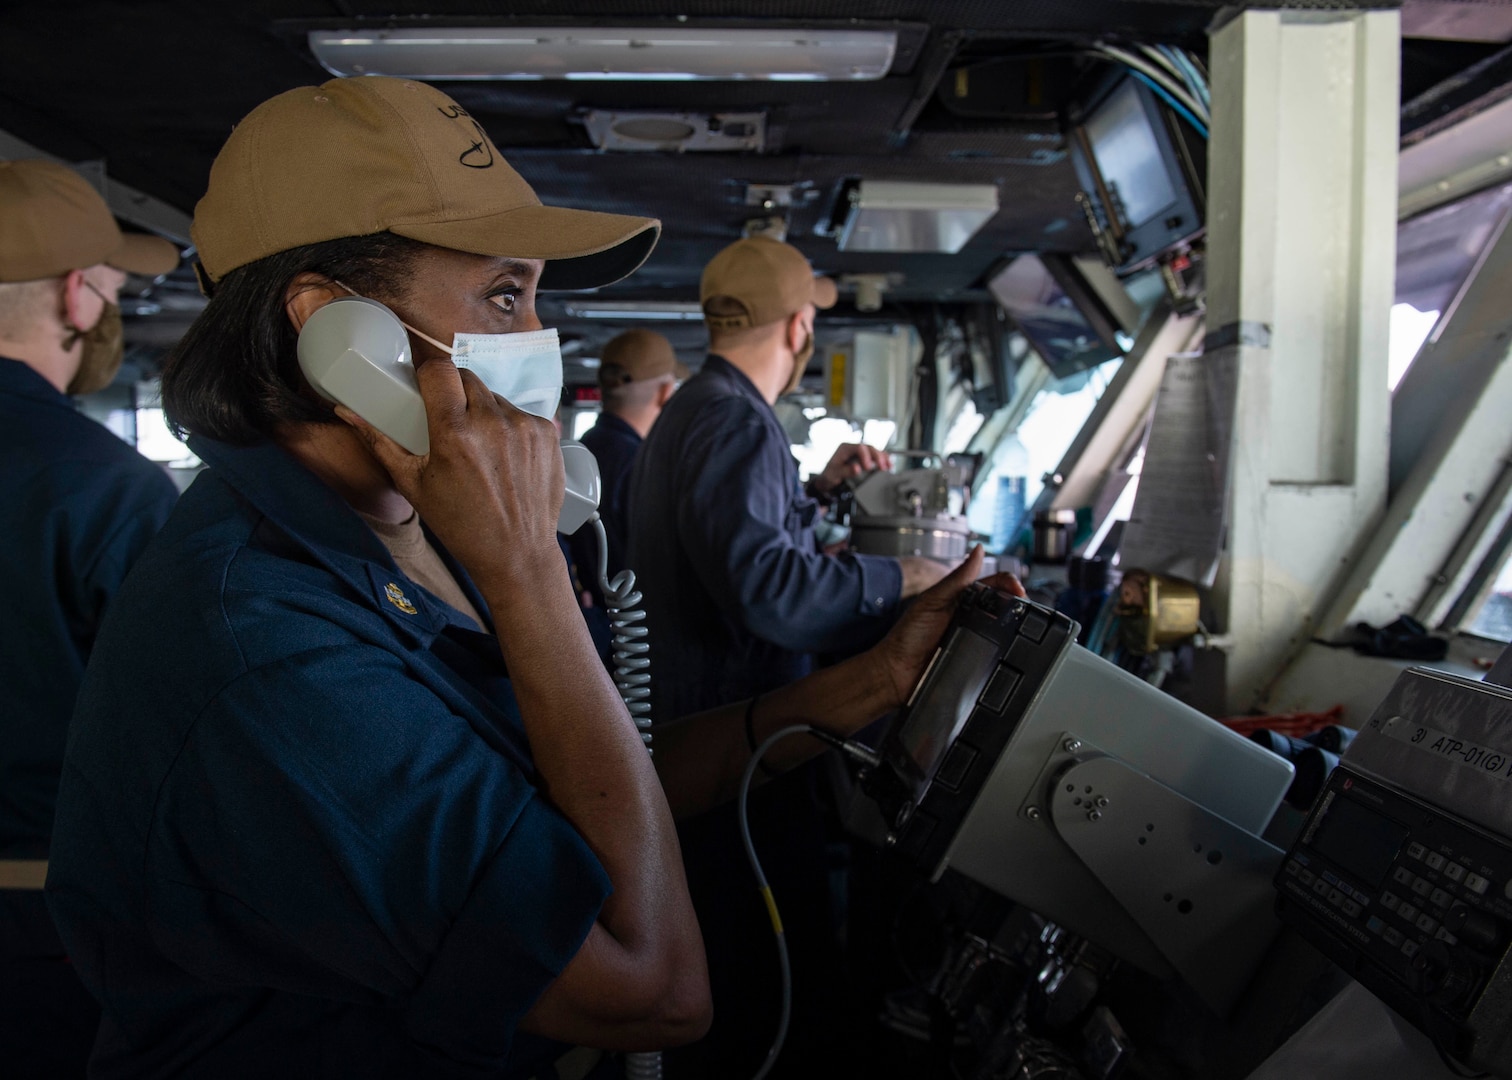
column 79, row 506
column 738, row 595
column 299, row 832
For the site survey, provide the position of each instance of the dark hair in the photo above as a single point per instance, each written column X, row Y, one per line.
column 234, row 376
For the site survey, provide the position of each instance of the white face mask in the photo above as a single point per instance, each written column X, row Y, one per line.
column 525, row 369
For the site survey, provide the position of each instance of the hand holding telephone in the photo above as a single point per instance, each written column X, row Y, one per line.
column 355, row 351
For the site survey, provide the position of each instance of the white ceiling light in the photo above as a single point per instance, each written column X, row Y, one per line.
column 646, row 310
column 677, row 53
column 890, row 215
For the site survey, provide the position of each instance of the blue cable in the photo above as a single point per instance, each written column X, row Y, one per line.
column 1180, row 109
column 1184, row 72
column 1194, row 77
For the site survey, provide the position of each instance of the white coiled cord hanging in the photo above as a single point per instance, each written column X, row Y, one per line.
column 632, row 664
column 645, row 1066
column 632, row 677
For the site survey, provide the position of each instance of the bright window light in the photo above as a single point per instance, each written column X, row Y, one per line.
column 825, row 437
column 1053, row 421
column 122, row 424
column 1494, row 617
column 1122, row 508
column 1409, row 329
column 156, row 442
column 879, row 433
column 967, row 423
column 675, row 54
column 581, row 422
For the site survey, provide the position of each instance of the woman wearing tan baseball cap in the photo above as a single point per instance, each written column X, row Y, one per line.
column 348, row 791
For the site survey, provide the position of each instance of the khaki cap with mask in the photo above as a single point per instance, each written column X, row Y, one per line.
column 372, row 154
column 767, row 279
column 638, row 355
column 52, row 221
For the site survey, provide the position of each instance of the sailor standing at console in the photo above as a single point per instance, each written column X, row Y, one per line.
column 738, row 598
column 721, row 532
column 79, row 507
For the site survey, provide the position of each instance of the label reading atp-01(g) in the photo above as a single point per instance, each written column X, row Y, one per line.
column 1491, row 760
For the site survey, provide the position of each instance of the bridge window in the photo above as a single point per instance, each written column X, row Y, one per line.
column 1493, row 618
column 1435, row 253
column 1052, row 421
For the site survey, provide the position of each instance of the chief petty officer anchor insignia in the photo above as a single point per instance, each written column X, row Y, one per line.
column 396, row 597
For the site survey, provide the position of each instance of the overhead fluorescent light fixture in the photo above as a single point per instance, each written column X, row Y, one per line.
column 672, row 54
column 630, row 311
column 891, row 215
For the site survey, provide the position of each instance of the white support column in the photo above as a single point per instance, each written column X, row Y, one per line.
column 1301, row 267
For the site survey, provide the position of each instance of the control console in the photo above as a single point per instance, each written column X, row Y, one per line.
column 1066, row 784
column 1414, row 900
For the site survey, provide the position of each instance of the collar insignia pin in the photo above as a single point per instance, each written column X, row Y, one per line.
column 396, row 597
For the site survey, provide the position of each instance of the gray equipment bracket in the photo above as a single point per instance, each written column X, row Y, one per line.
column 1200, row 887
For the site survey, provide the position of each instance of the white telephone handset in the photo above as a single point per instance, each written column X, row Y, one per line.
column 355, row 352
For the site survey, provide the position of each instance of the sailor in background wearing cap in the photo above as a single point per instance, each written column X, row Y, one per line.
column 348, row 793
column 738, row 597
column 638, row 373
column 722, row 536
column 79, row 507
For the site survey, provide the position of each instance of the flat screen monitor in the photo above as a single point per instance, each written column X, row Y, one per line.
column 1142, row 170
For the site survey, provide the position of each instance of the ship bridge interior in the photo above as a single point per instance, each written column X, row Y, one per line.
column 1194, row 315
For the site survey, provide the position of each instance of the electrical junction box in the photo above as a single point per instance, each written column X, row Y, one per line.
column 864, row 379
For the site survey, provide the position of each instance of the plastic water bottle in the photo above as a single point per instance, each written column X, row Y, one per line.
column 1013, row 468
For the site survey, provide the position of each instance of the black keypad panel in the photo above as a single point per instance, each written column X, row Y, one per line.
column 1431, row 878
column 1407, row 912
column 1410, row 908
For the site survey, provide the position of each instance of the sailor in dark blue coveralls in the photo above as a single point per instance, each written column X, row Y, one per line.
column 638, row 373
column 79, row 506
column 738, row 598
column 348, row 794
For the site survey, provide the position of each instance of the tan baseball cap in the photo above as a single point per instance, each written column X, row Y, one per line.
column 637, row 355
column 372, row 154
column 52, row 221
column 767, row 279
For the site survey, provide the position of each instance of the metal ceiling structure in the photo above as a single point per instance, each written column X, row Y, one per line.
column 151, row 89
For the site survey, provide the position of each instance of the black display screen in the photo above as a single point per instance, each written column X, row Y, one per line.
column 1359, row 840
column 945, row 701
column 1062, row 335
